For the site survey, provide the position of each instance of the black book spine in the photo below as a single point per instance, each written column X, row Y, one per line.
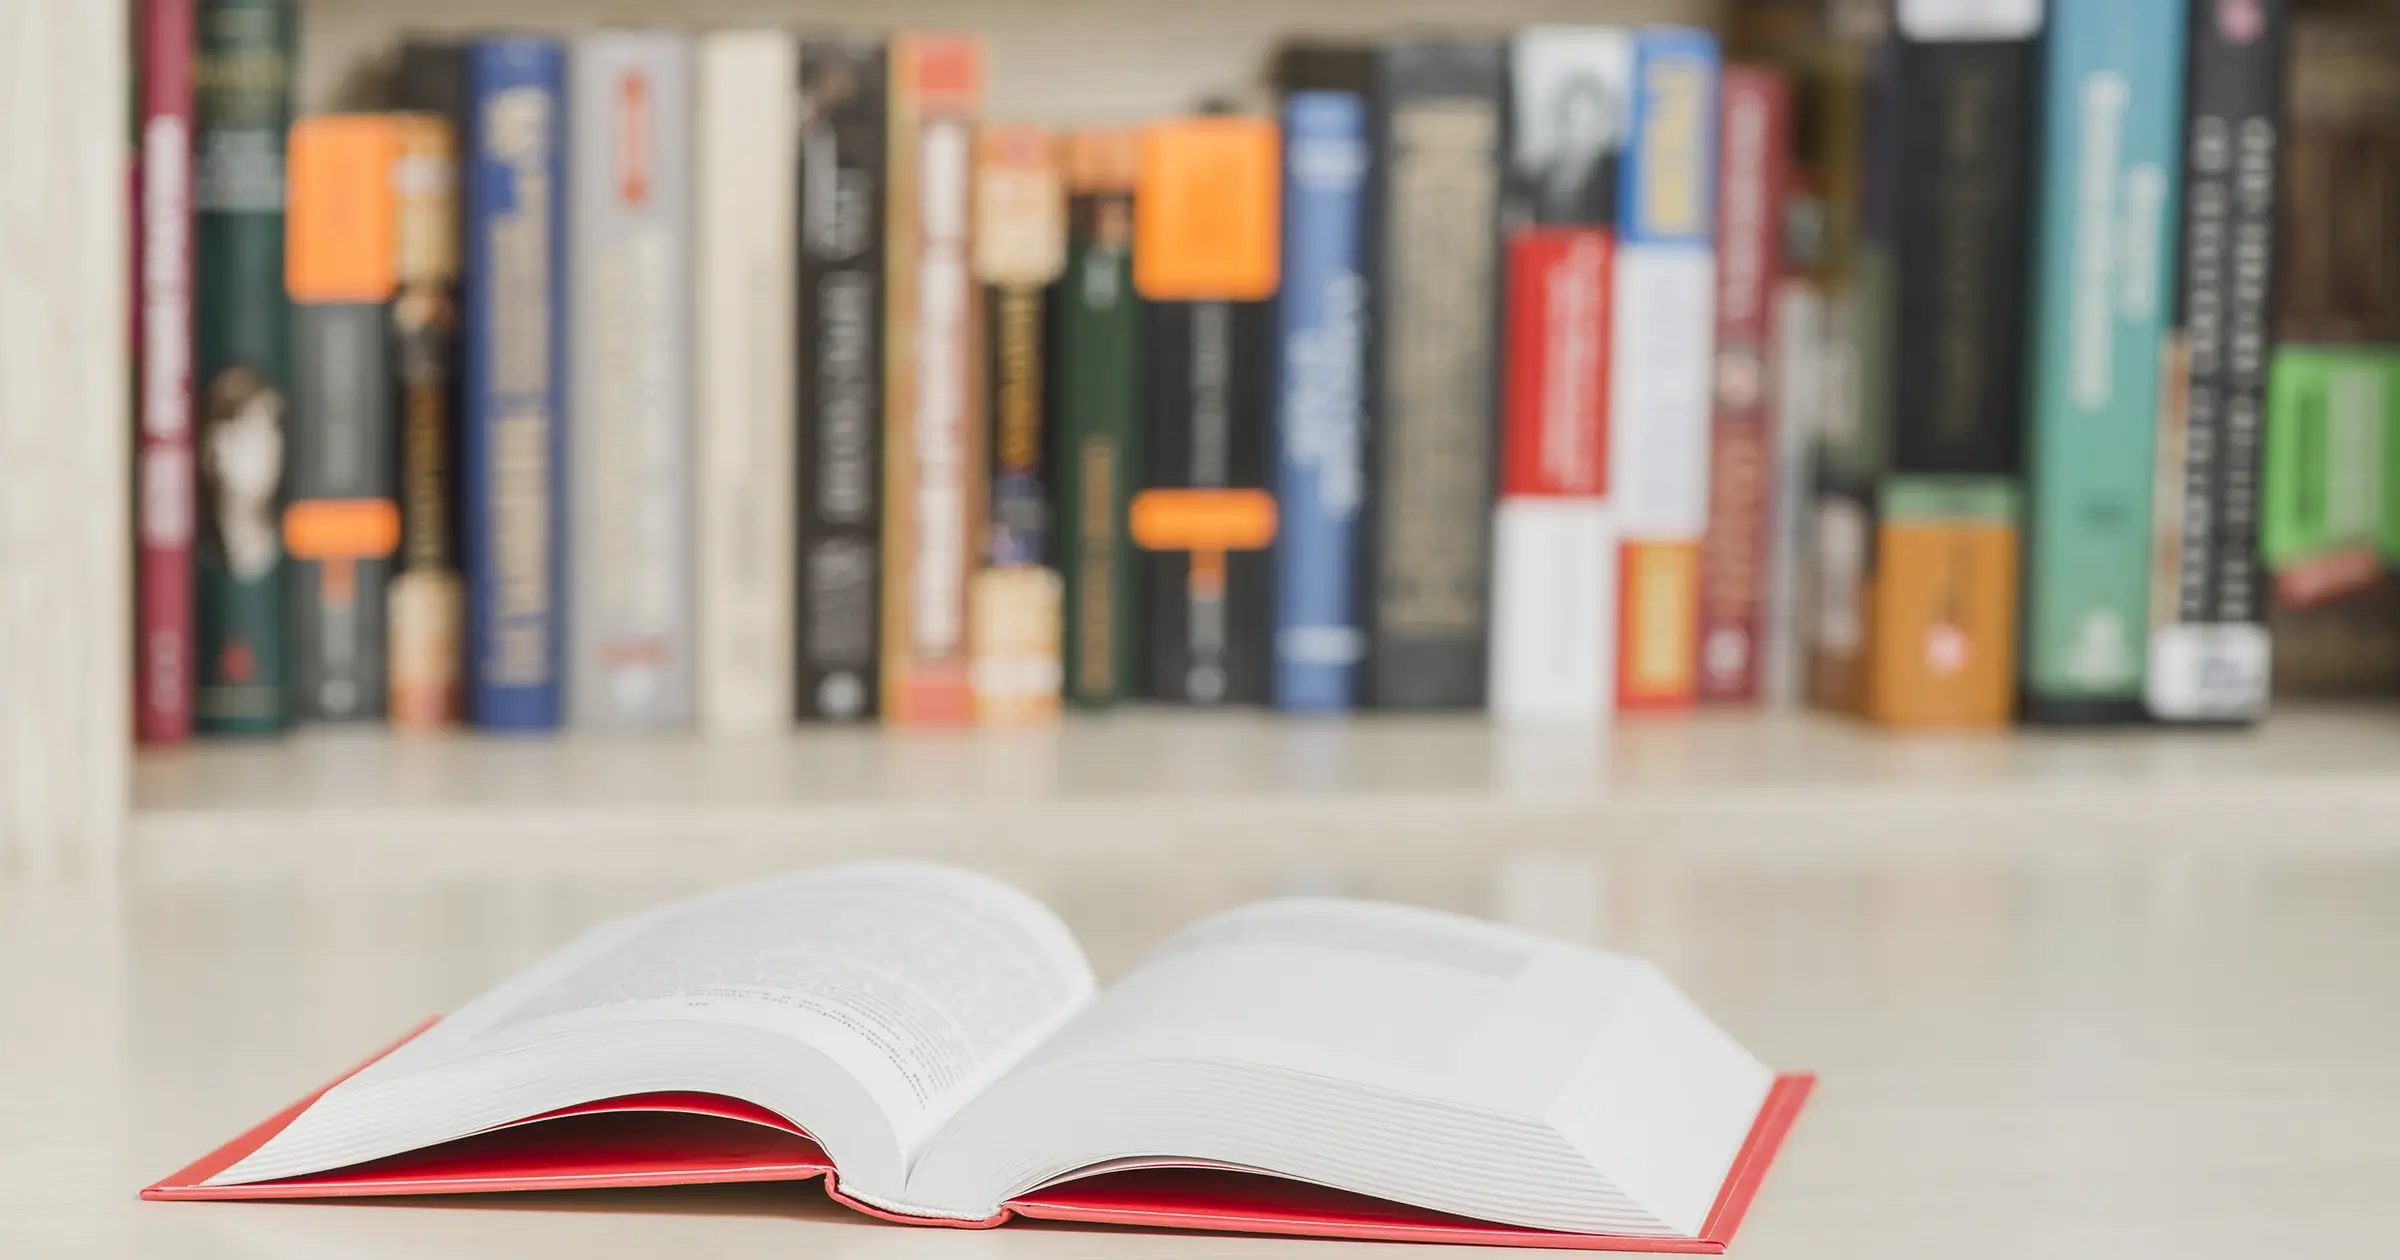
column 1209, row 627
column 1960, row 215
column 1433, row 213
column 2209, row 651
column 842, row 157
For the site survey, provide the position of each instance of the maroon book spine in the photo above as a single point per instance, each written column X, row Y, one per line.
column 162, row 253
column 1741, row 448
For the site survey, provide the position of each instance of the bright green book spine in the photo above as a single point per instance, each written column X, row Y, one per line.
column 1099, row 398
column 2112, row 137
column 242, row 361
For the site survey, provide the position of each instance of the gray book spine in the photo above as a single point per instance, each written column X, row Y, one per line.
column 342, row 455
column 629, row 408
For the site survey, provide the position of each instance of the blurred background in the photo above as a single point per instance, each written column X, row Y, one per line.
column 1886, row 509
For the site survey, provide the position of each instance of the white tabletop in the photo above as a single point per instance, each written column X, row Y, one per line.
column 2136, row 1051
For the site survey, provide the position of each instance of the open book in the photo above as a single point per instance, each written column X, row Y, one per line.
column 932, row 1041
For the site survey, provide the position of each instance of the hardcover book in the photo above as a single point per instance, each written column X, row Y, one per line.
column 934, row 482
column 629, row 382
column 932, row 1044
column 2210, row 654
column 514, row 435
column 163, row 663
column 1435, row 375
column 1320, row 415
column 2104, row 251
column 746, row 330
column 428, row 596
column 342, row 524
column 1205, row 255
column 1554, row 557
column 2329, row 519
column 1659, row 371
column 241, row 362
column 1933, row 436
column 1014, row 600
column 1096, row 379
column 1743, row 455
column 843, row 146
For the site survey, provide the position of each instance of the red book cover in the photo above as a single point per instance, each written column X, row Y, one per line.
column 162, row 255
column 669, row 1139
column 1554, row 439
column 1733, row 553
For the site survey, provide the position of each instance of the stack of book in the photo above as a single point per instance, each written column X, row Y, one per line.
column 643, row 379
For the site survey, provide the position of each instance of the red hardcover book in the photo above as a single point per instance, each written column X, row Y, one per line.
column 1753, row 167
column 162, row 253
column 934, row 1048
column 689, row 1139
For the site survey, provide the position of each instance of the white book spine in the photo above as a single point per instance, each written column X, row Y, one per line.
column 1554, row 611
column 748, row 346
column 630, row 623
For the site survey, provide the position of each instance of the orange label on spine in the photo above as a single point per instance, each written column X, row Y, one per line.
column 1207, row 210
column 944, row 72
column 1659, row 605
column 341, row 225
column 1942, row 634
column 341, row 529
column 1202, row 520
column 633, row 137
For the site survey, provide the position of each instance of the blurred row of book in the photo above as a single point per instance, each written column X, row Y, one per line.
column 1948, row 365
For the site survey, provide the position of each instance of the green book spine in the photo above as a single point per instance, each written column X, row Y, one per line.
column 2107, row 244
column 242, row 360
column 1098, row 391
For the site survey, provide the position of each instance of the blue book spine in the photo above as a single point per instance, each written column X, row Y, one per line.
column 2111, row 142
column 1320, row 418
column 513, row 440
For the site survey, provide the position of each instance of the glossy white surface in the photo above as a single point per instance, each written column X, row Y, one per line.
column 2186, row 1047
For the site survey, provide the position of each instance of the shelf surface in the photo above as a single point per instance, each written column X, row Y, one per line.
column 1234, row 788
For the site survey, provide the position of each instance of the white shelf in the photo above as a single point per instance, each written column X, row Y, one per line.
column 1237, row 791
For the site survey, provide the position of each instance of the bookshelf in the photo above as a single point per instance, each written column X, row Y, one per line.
column 74, row 796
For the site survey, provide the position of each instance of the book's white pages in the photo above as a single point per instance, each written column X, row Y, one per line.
column 939, row 1034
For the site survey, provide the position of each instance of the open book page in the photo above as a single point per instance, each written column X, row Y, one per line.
column 917, row 985
column 1415, row 1055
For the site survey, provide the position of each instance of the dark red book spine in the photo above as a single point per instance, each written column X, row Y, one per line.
column 1751, row 185
column 162, row 253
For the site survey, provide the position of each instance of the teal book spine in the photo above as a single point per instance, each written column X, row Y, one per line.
column 2103, row 265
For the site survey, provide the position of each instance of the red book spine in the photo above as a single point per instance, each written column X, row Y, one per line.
column 1554, row 441
column 163, row 320
column 1733, row 553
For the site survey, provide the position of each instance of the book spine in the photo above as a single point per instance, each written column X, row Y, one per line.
column 746, row 332
column 1097, row 380
column 1742, row 447
column 1320, row 402
column 342, row 524
column 1800, row 347
column 629, row 386
column 2209, row 646
column 163, row 345
column 1434, row 430
column 513, row 431
column 1014, row 603
column 1555, row 545
column 1659, row 372
column 844, row 143
column 427, row 598
column 2342, row 97
column 934, row 482
column 2112, row 128
column 2327, row 510
column 1940, row 322
column 241, row 361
